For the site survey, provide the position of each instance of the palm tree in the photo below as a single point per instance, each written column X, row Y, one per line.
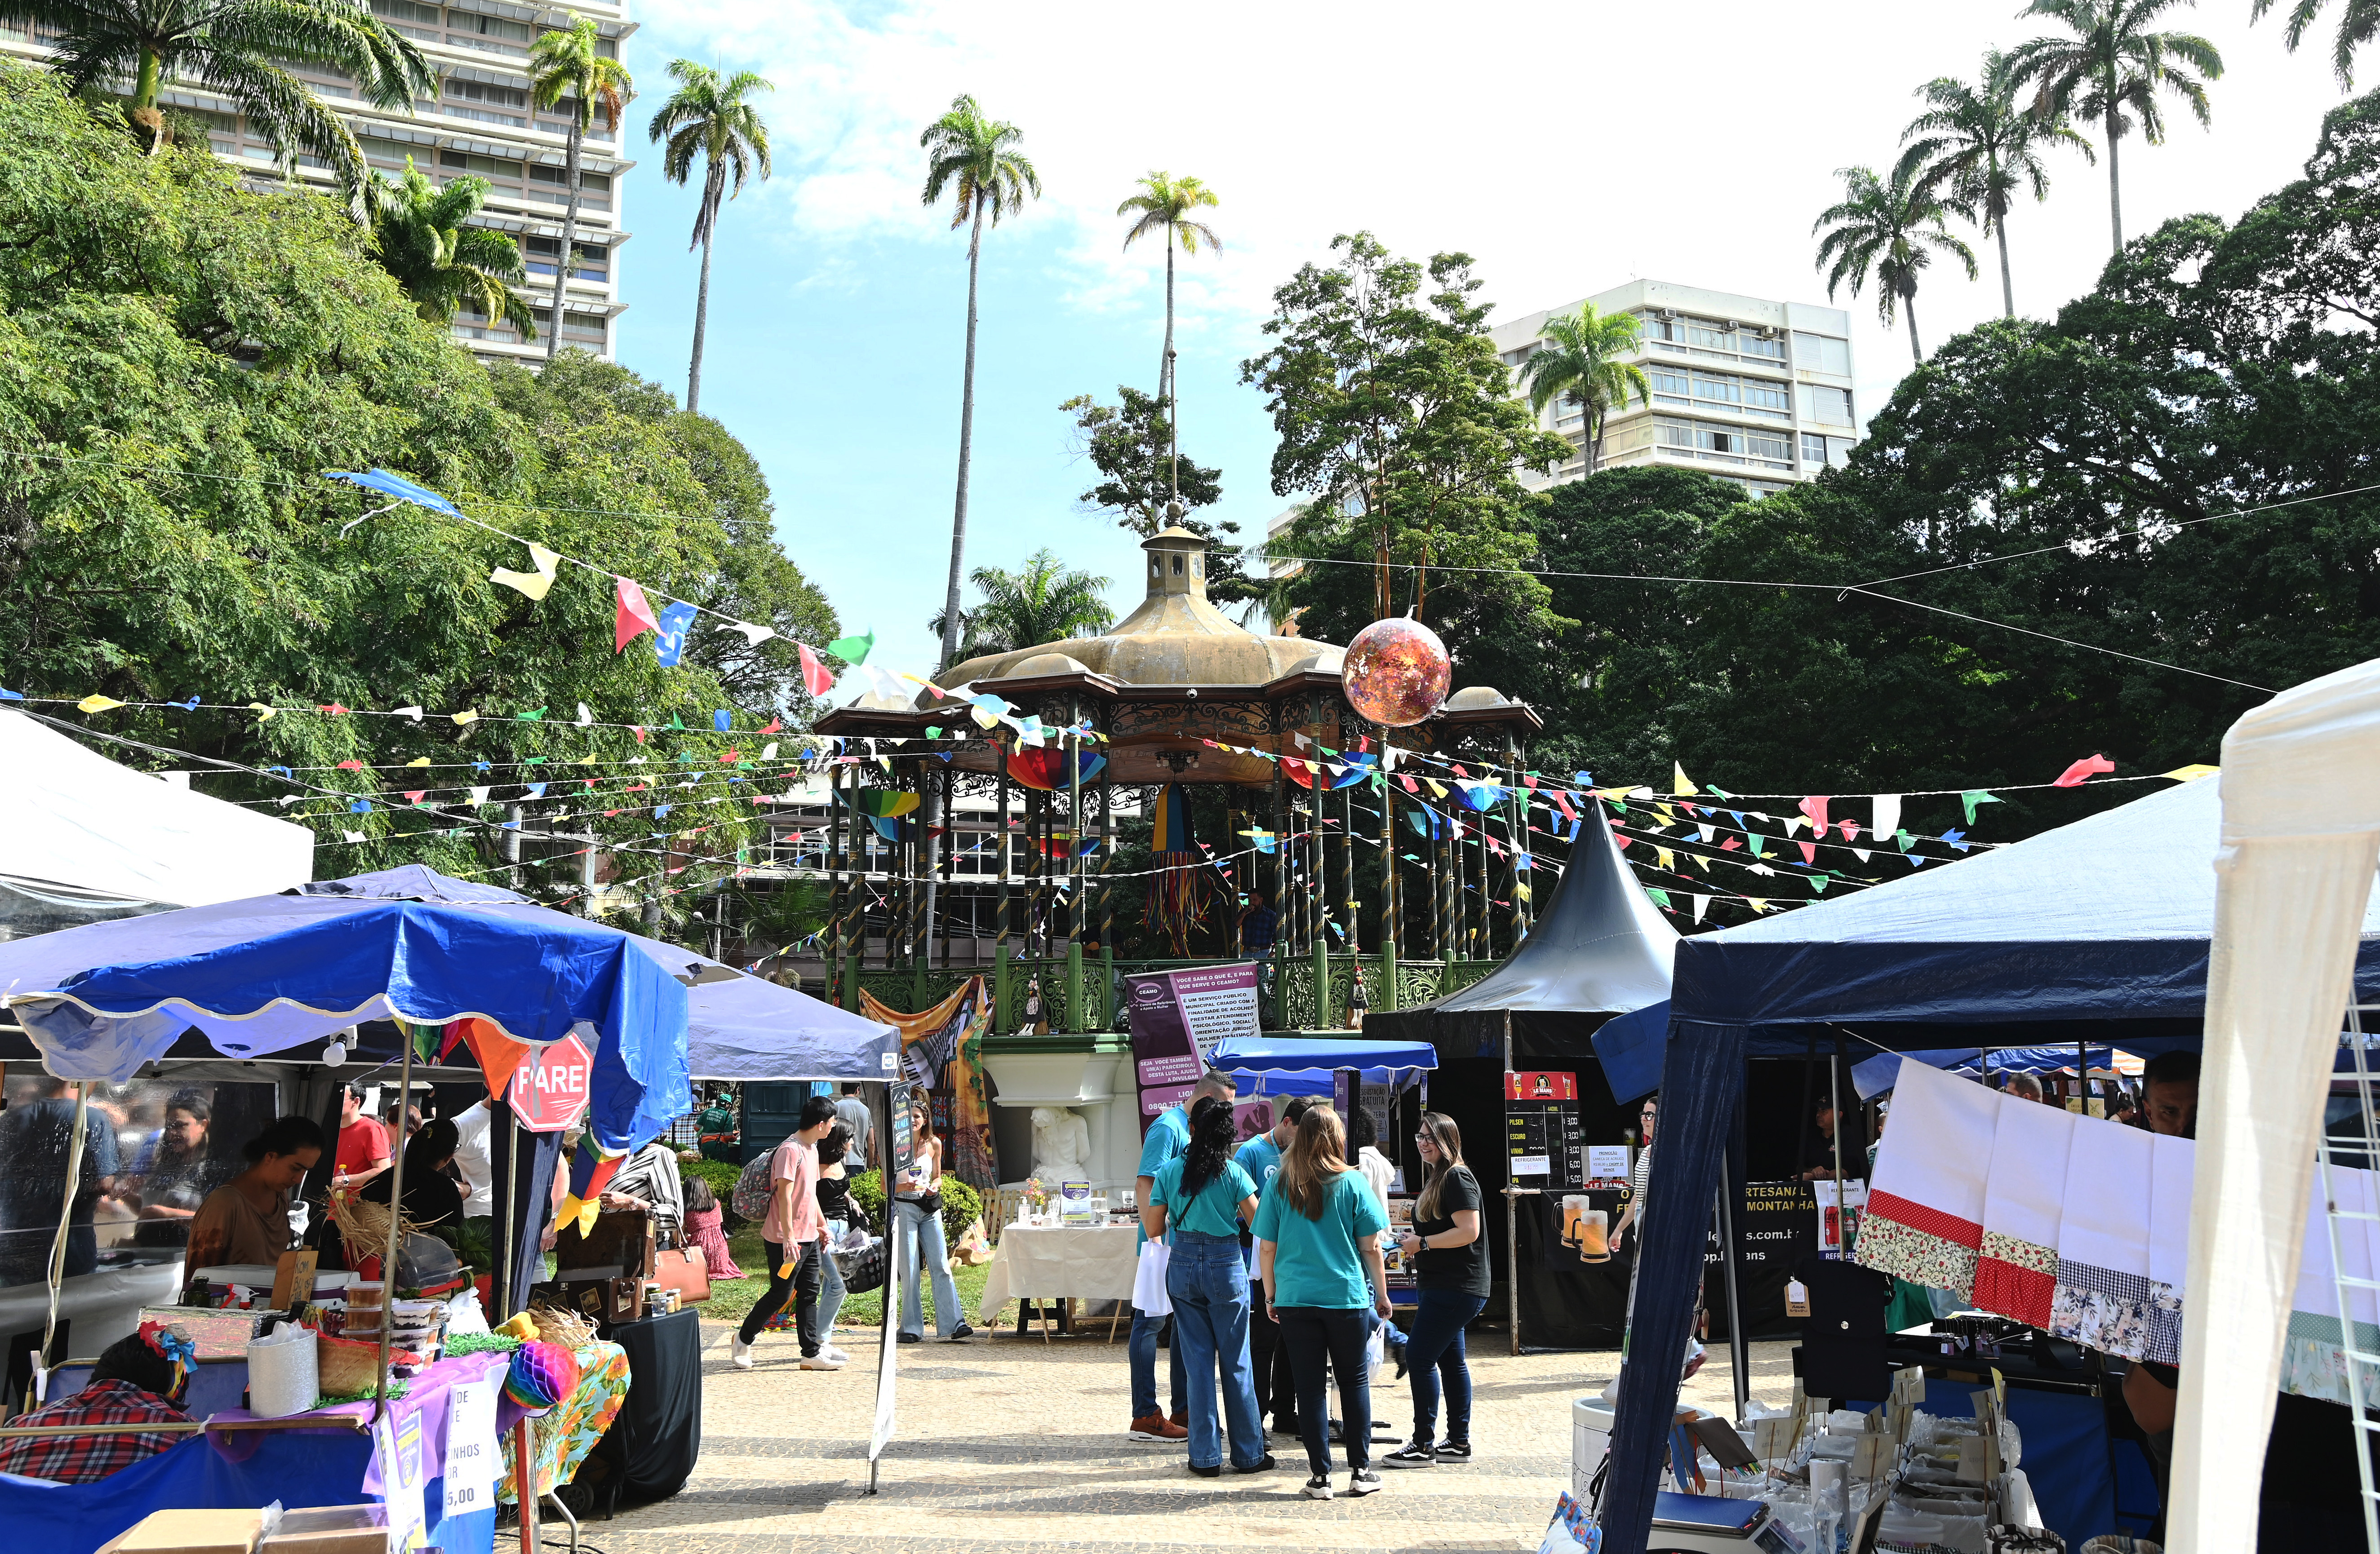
column 2111, row 70
column 1891, row 231
column 240, row 48
column 420, row 233
column 564, row 65
column 1975, row 142
column 1164, row 206
column 977, row 159
column 1581, row 358
column 708, row 115
column 2359, row 23
column 1045, row 602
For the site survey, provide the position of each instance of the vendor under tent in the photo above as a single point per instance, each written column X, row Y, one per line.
column 90, row 839
column 2100, row 932
column 1602, row 950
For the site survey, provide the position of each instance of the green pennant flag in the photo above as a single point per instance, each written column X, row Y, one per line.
column 536, row 717
column 853, row 649
column 675, row 724
column 932, row 731
column 1759, row 843
column 1722, row 793
column 1901, row 837
column 533, row 760
column 1818, row 884
column 1974, row 798
column 1660, row 897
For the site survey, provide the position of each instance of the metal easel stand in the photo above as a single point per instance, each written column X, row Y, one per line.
column 555, row 1501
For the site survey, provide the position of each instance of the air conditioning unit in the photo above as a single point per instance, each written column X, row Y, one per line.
column 1667, row 315
column 1730, row 326
column 1770, row 332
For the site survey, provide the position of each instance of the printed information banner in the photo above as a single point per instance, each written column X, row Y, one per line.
column 1177, row 1017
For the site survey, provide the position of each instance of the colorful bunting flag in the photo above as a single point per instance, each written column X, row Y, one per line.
column 2080, row 771
column 535, row 583
column 96, row 703
column 816, row 678
column 1884, row 819
column 2189, row 774
column 669, row 634
column 632, row 617
column 1680, row 786
column 1974, row 798
column 852, row 650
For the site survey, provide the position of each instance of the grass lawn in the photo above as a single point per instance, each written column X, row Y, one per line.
column 732, row 1298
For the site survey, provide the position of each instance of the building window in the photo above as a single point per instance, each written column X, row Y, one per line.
column 1830, row 406
column 1813, row 448
column 1823, row 353
column 485, row 166
column 1708, row 386
column 1657, row 328
column 588, row 327
column 539, row 255
column 1761, row 395
column 1771, row 346
column 1670, row 386
column 1767, row 445
column 1711, row 336
column 487, row 26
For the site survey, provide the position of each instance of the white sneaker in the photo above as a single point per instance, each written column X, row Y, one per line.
column 820, row 1360
column 837, row 1355
column 739, row 1353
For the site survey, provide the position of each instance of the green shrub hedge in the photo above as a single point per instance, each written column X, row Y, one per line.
column 722, row 1178
column 961, row 1203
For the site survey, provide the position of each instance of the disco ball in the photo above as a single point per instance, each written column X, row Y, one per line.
column 1397, row 672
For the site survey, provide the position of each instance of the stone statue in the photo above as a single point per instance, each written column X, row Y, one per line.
column 1062, row 1145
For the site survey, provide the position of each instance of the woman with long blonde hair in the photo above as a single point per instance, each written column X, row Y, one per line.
column 1317, row 1234
column 1452, row 1279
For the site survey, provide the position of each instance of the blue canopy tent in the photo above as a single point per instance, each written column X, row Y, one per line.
column 1306, row 1065
column 2097, row 932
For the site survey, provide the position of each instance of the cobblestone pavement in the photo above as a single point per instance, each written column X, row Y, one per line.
column 1009, row 1446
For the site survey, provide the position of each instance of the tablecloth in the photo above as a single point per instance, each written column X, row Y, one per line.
column 1042, row 1263
column 560, row 1438
column 657, row 1440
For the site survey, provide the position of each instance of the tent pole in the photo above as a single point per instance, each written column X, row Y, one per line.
column 511, row 1253
column 1842, row 1183
column 2083, row 1073
column 1511, row 1220
column 66, row 1219
column 1000, row 1022
column 1738, row 1350
column 396, row 1219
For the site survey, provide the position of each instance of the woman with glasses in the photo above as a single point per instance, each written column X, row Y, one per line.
column 1639, row 1174
column 1452, row 1281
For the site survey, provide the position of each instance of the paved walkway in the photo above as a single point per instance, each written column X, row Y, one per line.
column 1009, row 1446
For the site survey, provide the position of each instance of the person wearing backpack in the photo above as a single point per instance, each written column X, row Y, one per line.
column 792, row 1233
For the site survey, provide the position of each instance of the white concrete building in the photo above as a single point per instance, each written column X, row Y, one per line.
column 1752, row 391
column 482, row 124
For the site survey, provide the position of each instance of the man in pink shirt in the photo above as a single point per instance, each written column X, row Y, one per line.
column 794, row 1237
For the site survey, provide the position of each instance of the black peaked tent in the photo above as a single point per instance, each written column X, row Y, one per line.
column 1602, row 949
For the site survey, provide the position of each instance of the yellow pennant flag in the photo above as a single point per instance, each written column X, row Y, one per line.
column 1522, row 891
column 263, row 713
column 1680, row 786
column 533, row 584
column 1758, row 904
column 1668, row 819
column 2190, row 773
column 589, row 760
column 419, row 760
column 465, row 716
column 1436, row 788
column 96, row 703
column 1662, row 855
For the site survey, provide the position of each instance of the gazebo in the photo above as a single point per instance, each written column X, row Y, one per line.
column 1177, row 695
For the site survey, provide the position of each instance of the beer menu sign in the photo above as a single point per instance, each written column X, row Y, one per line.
column 1541, row 1129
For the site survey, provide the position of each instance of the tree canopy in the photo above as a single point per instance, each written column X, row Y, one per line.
column 181, row 359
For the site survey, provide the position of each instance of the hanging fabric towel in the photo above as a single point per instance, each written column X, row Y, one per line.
column 2102, row 1243
column 2172, row 1169
column 2023, row 1203
column 1925, row 1217
column 1149, row 1293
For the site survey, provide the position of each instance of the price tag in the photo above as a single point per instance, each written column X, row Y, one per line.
column 1797, row 1298
column 1773, row 1440
column 473, row 1464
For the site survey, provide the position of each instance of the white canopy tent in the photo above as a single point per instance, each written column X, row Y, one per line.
column 101, row 830
column 2300, row 838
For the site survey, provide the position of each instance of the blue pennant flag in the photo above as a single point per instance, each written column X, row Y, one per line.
column 669, row 635
column 721, row 720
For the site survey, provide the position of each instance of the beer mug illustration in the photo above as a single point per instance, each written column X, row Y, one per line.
column 1585, row 1229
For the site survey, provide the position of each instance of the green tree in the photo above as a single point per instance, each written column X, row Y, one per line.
column 1581, row 358
column 186, row 357
column 1889, row 232
column 1981, row 147
column 242, row 49
column 421, row 234
column 1395, row 417
column 2359, row 23
column 568, row 68
column 1047, row 601
column 709, row 116
column 1165, row 206
column 2111, row 70
column 1131, row 444
column 977, row 160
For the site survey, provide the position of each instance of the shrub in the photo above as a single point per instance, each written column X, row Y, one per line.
column 722, row 1178
column 961, row 1203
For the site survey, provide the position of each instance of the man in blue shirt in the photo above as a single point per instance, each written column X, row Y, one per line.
column 1168, row 1136
column 1276, row 1390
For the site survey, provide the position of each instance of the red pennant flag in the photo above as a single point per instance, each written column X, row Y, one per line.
column 1530, row 780
column 1809, row 851
column 1729, row 845
column 815, row 678
column 414, row 796
column 773, row 726
column 632, row 617
column 1622, row 841
column 1460, row 772
column 333, row 708
column 608, row 813
column 732, row 755
column 351, row 766
column 2080, row 773
column 1850, row 828
column 1815, row 806
column 1562, row 799
column 638, row 729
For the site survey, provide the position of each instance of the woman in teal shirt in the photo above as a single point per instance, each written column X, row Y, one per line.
column 1319, row 1248
column 1203, row 1195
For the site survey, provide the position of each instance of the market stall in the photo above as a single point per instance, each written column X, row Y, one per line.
column 1600, row 951
column 2000, row 950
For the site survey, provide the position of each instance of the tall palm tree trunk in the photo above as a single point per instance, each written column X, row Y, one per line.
column 1165, row 381
column 569, row 240
column 2008, row 286
column 2115, row 187
column 145, row 90
column 701, row 319
column 967, row 454
column 1908, row 307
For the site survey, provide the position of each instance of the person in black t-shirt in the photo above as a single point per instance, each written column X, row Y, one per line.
column 1450, row 1256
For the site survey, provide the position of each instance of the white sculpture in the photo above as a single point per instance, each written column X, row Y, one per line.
column 1061, row 1145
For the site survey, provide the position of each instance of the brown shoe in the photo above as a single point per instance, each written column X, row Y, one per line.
column 1181, row 1417
column 1157, row 1428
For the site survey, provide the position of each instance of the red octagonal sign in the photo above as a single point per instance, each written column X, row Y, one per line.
column 550, row 1087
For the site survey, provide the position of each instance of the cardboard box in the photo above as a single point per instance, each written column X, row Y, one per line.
column 192, row 1532
column 331, row 1529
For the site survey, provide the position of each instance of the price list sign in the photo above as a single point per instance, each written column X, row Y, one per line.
column 1541, row 1130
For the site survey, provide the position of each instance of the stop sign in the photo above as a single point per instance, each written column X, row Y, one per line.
column 550, row 1086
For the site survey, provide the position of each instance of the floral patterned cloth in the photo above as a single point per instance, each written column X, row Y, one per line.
column 2016, row 1279
column 1890, row 1245
column 560, row 1438
column 2102, row 1309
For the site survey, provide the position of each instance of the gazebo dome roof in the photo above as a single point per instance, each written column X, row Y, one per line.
column 1046, row 662
column 1474, row 697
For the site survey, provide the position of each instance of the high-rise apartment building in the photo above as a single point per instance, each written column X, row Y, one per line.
column 482, row 122
column 1754, row 392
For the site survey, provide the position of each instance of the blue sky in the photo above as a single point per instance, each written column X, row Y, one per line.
column 1569, row 148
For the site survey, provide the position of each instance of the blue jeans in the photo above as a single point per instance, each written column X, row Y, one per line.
column 830, row 1286
column 1434, row 1353
column 1209, row 1284
column 1141, row 1349
column 913, row 1229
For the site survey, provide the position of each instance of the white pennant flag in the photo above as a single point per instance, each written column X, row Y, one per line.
column 1706, row 830
column 585, row 717
column 1859, row 853
column 479, row 796
column 1887, row 815
column 770, row 753
column 1702, row 902
column 753, row 635
column 353, row 836
column 413, row 713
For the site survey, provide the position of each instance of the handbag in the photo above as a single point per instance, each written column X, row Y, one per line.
column 1148, row 1294
column 862, row 1270
column 687, row 1270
